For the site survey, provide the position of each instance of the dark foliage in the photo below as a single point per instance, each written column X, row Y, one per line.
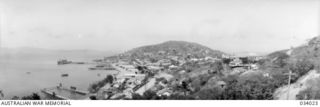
column 308, row 94
column 34, row 96
column 93, row 88
column 300, row 68
column 93, row 98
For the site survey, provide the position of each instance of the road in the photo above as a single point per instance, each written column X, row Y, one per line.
column 302, row 83
column 146, row 87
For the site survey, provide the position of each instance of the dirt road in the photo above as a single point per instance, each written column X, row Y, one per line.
column 282, row 92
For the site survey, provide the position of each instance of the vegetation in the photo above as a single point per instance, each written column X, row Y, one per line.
column 34, row 96
column 151, row 95
column 159, row 51
column 93, row 98
column 148, row 95
column 15, row 98
column 253, row 86
column 93, row 88
column 308, row 94
column 300, row 68
column 312, row 92
column 200, row 80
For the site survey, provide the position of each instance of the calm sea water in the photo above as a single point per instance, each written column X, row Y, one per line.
column 44, row 73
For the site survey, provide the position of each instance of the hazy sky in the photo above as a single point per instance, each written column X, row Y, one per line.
column 227, row 25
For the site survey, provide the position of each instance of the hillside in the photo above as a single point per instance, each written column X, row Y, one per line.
column 309, row 52
column 194, row 77
column 174, row 48
column 304, row 61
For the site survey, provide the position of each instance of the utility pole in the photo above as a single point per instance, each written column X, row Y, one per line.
column 289, row 75
column 289, row 83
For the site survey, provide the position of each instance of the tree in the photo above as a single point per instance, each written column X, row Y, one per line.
column 217, row 67
column 93, row 98
column 148, row 95
column 93, row 88
column 301, row 67
column 210, row 94
column 109, row 79
column 312, row 92
column 136, row 96
column 180, row 97
column 245, row 60
column 34, row 96
column 281, row 60
column 15, row 98
column 226, row 60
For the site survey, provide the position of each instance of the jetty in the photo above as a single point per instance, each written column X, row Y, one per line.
column 63, row 93
column 64, row 62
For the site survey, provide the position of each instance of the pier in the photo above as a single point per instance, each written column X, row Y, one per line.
column 62, row 93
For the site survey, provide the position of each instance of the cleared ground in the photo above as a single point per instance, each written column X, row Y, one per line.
column 302, row 83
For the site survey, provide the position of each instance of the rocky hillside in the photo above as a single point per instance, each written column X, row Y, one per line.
column 174, row 48
column 303, row 61
column 309, row 52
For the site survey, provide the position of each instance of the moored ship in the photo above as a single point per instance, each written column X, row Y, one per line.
column 64, row 61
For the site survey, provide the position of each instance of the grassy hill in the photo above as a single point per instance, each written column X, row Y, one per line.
column 173, row 48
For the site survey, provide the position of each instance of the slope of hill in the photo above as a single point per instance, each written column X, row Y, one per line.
column 309, row 52
column 302, row 84
column 176, row 48
column 302, row 61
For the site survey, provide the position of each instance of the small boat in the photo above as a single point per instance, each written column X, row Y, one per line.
column 99, row 66
column 109, row 68
column 79, row 63
column 92, row 68
column 64, row 61
column 64, row 75
column 28, row 72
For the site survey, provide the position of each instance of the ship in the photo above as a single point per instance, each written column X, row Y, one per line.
column 64, row 75
column 64, row 61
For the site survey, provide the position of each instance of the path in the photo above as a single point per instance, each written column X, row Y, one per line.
column 146, row 87
column 301, row 84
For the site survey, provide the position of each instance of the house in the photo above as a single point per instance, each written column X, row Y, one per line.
column 173, row 67
column 164, row 62
column 254, row 66
column 175, row 58
column 266, row 75
column 194, row 59
column 128, row 93
column 235, row 62
column 161, row 53
column 182, row 71
column 164, row 92
column 152, row 67
column 107, row 91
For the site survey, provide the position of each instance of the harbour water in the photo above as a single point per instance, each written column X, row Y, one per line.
column 24, row 74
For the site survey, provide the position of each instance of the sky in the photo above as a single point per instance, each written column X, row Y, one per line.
column 232, row 26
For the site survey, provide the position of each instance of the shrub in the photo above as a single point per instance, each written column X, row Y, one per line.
column 300, row 68
column 308, row 94
column 34, row 96
column 93, row 88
